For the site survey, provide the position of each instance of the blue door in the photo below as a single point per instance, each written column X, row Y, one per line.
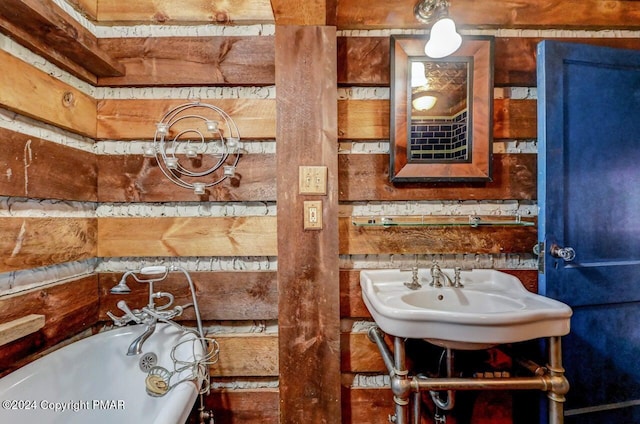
column 589, row 197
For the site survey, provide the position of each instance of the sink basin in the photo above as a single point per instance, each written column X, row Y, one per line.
column 492, row 308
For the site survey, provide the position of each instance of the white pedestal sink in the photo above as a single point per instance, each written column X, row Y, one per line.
column 492, row 308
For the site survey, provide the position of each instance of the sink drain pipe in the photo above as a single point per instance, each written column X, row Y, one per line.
column 552, row 381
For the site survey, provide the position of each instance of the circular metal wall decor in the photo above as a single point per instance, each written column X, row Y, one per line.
column 197, row 145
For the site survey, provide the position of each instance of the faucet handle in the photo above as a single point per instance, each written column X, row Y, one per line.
column 128, row 313
column 118, row 321
column 456, row 277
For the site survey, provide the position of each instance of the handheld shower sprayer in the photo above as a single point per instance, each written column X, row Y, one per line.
column 122, row 287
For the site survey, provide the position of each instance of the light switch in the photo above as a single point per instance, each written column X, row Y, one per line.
column 312, row 180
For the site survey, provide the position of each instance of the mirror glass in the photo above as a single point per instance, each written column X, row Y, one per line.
column 441, row 111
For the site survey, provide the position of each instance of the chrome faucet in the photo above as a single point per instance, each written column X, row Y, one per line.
column 437, row 274
column 152, row 313
column 135, row 348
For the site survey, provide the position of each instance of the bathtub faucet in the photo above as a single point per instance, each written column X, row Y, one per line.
column 135, row 348
column 152, row 312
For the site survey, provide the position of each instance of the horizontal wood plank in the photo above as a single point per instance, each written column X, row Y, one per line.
column 68, row 307
column 134, row 178
column 221, row 295
column 38, row 169
column 43, row 27
column 88, row 8
column 31, row 92
column 369, row 119
column 367, row 404
column 246, row 355
column 187, row 236
column 357, row 119
column 364, row 61
column 244, row 406
column 127, row 178
column 429, row 240
column 358, row 354
column 192, row 61
column 36, row 242
column 20, row 327
column 241, row 12
column 359, row 405
column 364, row 177
column 136, row 119
column 586, row 14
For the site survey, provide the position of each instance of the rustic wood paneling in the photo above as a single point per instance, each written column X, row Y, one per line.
column 308, row 280
column 361, row 355
column 357, row 119
column 192, row 61
column 35, row 242
column 587, row 14
column 43, row 27
column 249, row 60
column 427, row 240
column 366, row 405
column 41, row 169
column 246, row 355
column 366, row 178
column 187, row 236
column 361, row 177
column 243, row 406
column 68, row 308
column 241, row 12
column 221, row 295
column 369, row 119
column 353, row 52
column 515, row 118
column 363, row 119
column 33, row 93
column 136, row 119
column 351, row 303
column 294, row 12
column 134, row 178
column 88, row 8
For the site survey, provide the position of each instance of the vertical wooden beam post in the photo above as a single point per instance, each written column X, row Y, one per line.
column 308, row 268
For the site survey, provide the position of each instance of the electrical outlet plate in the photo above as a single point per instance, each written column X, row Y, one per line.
column 312, row 180
column 312, row 214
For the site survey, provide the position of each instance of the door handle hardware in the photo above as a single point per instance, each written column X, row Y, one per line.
column 565, row 253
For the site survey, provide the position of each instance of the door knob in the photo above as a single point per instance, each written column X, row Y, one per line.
column 565, row 253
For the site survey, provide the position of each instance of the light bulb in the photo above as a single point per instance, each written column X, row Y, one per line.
column 229, row 171
column 444, row 39
column 418, row 77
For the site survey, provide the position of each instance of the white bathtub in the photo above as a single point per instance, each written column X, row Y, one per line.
column 93, row 381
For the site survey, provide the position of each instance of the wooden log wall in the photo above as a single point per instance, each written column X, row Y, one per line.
column 30, row 166
column 42, row 171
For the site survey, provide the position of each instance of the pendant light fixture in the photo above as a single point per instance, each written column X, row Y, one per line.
column 444, row 40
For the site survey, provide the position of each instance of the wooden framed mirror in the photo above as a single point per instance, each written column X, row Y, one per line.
column 441, row 111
